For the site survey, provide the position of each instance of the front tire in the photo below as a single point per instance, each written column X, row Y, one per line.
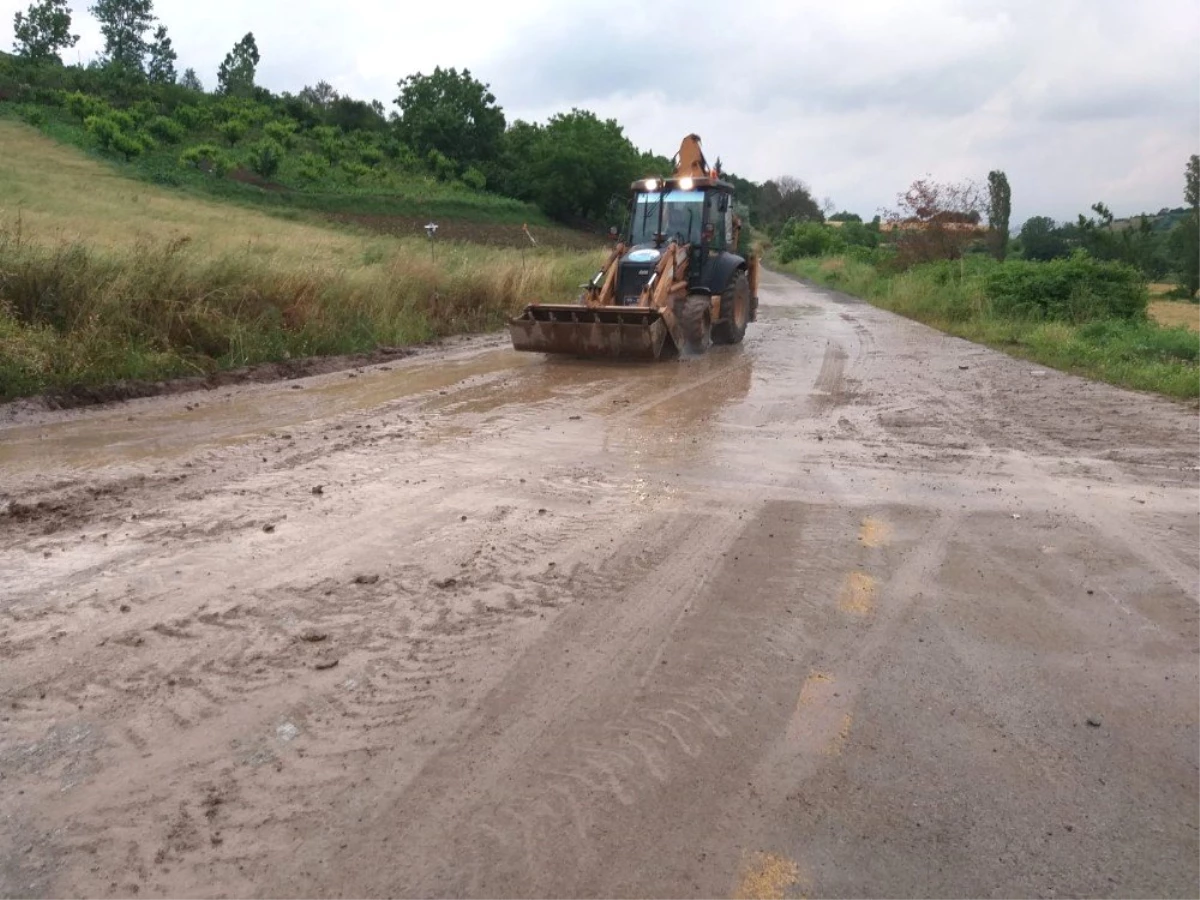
column 735, row 310
column 696, row 322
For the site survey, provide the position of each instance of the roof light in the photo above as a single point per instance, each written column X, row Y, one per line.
column 651, row 184
column 686, row 184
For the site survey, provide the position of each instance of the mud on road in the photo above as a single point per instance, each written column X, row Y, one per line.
column 854, row 609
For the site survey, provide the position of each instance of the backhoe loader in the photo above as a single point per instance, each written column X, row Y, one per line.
column 673, row 284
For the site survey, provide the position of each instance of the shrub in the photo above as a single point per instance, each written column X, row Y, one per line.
column 312, row 167
column 206, row 158
column 474, row 179
column 143, row 111
column 111, row 132
column 282, row 131
column 233, row 130
column 31, row 115
column 82, row 106
column 370, row 155
column 355, row 171
column 1077, row 289
column 799, row 239
column 265, row 157
column 329, row 140
column 442, row 167
column 192, row 117
column 168, row 131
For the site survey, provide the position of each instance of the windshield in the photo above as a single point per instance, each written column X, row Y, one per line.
column 682, row 216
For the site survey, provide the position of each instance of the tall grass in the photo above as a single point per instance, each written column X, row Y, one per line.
column 960, row 298
column 105, row 278
column 71, row 314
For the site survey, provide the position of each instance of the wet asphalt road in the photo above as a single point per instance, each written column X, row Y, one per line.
column 853, row 609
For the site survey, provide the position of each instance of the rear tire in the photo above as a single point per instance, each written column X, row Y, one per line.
column 735, row 310
column 696, row 322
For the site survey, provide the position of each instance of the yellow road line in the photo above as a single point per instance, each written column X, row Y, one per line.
column 766, row 876
column 874, row 532
column 858, row 595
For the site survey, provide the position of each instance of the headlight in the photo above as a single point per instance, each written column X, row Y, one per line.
column 651, row 184
column 686, row 184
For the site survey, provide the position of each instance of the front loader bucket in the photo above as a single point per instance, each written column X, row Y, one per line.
column 618, row 332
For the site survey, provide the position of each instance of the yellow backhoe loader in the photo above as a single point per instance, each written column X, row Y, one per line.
column 674, row 283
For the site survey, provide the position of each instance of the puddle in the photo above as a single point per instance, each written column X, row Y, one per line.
column 134, row 432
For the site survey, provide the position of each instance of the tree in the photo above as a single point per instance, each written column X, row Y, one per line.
column 935, row 220
column 999, row 212
column 124, row 24
column 1184, row 238
column 450, row 112
column 1191, row 191
column 43, row 30
column 235, row 76
column 579, row 164
column 845, row 217
column 191, row 81
column 321, row 95
column 161, row 68
column 1042, row 239
column 786, row 199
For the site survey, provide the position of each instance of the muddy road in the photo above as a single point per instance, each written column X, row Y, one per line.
column 854, row 609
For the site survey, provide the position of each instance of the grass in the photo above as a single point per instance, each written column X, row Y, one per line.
column 1135, row 353
column 103, row 278
column 1175, row 314
column 401, row 194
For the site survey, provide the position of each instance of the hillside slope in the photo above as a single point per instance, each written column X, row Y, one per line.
column 104, row 278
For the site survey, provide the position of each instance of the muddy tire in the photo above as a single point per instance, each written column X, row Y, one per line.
column 696, row 321
column 735, row 311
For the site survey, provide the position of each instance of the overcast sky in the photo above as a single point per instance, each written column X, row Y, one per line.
column 1077, row 100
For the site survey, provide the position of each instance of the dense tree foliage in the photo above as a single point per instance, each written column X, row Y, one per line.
column 452, row 113
column 235, row 77
column 43, row 31
column 999, row 212
column 124, row 24
column 161, row 67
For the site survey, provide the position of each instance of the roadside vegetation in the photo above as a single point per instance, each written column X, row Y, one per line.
column 1080, row 303
column 104, row 279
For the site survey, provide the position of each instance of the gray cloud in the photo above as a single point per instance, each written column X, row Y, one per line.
column 1078, row 100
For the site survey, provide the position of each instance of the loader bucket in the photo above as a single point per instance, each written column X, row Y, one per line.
column 618, row 332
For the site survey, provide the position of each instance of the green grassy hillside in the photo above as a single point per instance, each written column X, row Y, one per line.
column 103, row 277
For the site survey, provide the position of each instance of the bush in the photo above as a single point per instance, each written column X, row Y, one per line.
column 206, row 158
column 166, row 130
column 233, row 130
column 110, row 133
column 83, row 106
column 370, row 155
column 192, row 117
column 265, row 157
column 282, row 131
column 474, row 179
column 31, row 115
column 1076, row 289
column 799, row 239
column 355, row 172
column 442, row 167
column 143, row 111
column 312, row 167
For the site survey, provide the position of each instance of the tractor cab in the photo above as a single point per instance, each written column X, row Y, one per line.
column 673, row 284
